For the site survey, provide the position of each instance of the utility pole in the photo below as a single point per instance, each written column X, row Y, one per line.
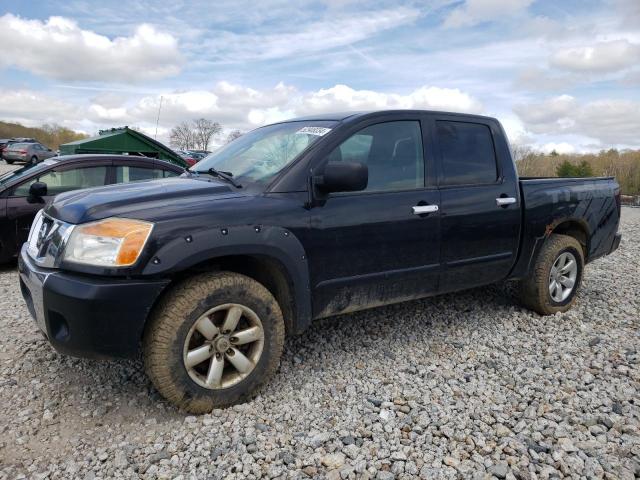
column 158, row 119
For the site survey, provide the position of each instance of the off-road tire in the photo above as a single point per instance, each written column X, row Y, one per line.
column 534, row 290
column 175, row 314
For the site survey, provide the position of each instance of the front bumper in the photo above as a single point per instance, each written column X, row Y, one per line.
column 85, row 316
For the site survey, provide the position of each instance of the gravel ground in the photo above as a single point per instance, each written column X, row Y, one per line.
column 460, row 386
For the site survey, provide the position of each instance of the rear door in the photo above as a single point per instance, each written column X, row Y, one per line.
column 479, row 200
column 380, row 245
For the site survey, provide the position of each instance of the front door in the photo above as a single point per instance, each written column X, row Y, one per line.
column 381, row 245
column 479, row 205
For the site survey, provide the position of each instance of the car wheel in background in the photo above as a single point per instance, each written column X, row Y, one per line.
column 34, row 160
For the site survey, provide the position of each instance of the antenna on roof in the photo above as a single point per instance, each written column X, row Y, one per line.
column 158, row 119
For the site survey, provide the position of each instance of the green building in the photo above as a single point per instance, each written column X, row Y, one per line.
column 123, row 141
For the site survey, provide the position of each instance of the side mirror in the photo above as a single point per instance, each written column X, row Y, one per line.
column 38, row 190
column 343, row 177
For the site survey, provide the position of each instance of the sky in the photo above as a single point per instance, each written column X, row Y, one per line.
column 559, row 74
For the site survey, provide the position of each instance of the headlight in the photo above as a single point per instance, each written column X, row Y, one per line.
column 113, row 242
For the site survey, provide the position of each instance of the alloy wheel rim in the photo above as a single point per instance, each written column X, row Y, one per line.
column 223, row 346
column 563, row 276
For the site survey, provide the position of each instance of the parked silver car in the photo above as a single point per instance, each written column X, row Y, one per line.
column 33, row 152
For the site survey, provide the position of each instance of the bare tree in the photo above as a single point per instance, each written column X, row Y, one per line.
column 182, row 136
column 520, row 152
column 204, row 130
column 233, row 134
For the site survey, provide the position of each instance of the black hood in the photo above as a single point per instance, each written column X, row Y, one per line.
column 142, row 200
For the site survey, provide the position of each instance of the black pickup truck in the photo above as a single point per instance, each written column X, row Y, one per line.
column 204, row 274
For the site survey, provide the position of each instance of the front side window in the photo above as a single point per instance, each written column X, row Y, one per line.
column 261, row 154
column 392, row 152
column 467, row 153
column 66, row 180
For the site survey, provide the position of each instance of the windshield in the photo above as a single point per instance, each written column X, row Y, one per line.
column 24, row 171
column 259, row 155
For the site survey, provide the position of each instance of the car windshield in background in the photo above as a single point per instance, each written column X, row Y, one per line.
column 260, row 154
column 24, row 171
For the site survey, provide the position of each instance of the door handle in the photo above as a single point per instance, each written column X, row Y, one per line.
column 422, row 209
column 504, row 201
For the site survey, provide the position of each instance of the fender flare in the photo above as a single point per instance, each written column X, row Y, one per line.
column 277, row 243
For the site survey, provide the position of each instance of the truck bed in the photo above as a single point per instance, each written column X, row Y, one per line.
column 587, row 207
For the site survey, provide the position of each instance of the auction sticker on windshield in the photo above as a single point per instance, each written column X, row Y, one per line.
column 319, row 131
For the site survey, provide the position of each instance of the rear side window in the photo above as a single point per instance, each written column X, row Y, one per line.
column 126, row 174
column 467, row 153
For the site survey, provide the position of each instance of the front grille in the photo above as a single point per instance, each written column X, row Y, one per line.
column 47, row 239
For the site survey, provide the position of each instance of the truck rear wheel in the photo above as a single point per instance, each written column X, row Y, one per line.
column 213, row 340
column 556, row 276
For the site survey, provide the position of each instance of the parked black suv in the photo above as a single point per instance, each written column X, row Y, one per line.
column 204, row 274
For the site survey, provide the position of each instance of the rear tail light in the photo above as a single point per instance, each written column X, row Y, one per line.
column 618, row 202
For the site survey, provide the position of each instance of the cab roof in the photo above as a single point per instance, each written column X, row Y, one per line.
column 357, row 115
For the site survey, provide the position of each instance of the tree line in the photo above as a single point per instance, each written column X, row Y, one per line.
column 198, row 134
column 624, row 165
column 50, row 135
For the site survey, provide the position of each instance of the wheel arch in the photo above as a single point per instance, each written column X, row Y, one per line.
column 539, row 235
column 266, row 270
column 272, row 256
column 576, row 228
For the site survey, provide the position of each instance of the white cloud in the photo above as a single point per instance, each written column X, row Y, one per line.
column 230, row 104
column 555, row 122
column 560, row 147
column 534, row 78
column 241, row 107
column 632, row 78
column 59, row 48
column 234, row 106
column 611, row 122
column 600, row 57
column 32, row 108
column 478, row 11
column 628, row 11
column 342, row 97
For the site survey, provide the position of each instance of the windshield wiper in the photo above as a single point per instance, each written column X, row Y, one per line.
column 224, row 175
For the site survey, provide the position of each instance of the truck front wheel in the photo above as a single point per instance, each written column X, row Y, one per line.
column 213, row 340
column 555, row 277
